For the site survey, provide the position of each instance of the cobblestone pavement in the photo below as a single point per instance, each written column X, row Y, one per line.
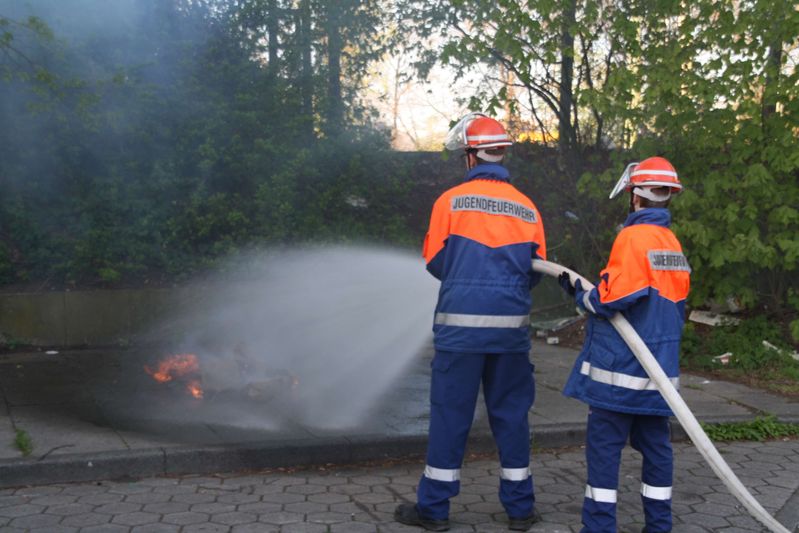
column 361, row 498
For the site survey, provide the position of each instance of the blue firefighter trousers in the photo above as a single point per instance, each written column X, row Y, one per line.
column 606, row 436
column 509, row 391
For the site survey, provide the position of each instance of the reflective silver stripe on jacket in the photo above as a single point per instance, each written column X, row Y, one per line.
column 618, row 379
column 482, row 321
column 655, row 493
column 600, row 495
column 442, row 474
column 515, row 474
column 587, row 302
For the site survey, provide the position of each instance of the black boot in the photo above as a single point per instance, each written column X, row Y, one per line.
column 408, row 514
column 523, row 524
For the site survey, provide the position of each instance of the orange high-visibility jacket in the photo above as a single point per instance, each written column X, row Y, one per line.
column 647, row 279
column 483, row 235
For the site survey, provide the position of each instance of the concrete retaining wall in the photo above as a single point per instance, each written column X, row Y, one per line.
column 80, row 318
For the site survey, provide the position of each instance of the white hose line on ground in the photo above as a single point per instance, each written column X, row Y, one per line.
column 677, row 404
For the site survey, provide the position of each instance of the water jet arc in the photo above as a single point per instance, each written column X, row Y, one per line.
column 677, row 404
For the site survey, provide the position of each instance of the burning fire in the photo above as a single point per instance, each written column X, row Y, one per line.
column 179, row 366
column 195, row 389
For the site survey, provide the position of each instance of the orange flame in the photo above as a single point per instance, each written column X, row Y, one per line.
column 178, row 366
column 195, row 389
column 174, row 366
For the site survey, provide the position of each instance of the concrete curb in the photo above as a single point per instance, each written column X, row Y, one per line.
column 272, row 454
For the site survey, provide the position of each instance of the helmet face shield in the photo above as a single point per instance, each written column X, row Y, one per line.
column 456, row 138
column 624, row 181
column 645, row 177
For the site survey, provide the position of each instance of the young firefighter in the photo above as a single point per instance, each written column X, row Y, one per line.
column 483, row 235
column 646, row 279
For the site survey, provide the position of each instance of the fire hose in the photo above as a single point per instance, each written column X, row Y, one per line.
column 677, row 405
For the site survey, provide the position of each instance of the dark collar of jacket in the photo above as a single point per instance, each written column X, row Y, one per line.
column 659, row 216
column 488, row 171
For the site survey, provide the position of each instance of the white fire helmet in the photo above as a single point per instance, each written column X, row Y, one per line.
column 653, row 178
column 479, row 132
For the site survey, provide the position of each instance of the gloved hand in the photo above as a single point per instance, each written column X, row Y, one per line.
column 566, row 283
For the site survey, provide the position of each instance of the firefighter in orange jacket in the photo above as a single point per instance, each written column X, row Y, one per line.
column 483, row 235
column 646, row 279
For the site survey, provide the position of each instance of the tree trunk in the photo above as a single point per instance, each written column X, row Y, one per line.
column 306, row 76
column 335, row 104
column 272, row 30
column 773, row 69
column 566, row 134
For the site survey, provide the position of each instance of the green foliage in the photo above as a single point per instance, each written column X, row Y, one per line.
column 716, row 93
column 751, row 358
column 759, row 429
column 165, row 143
column 23, row 442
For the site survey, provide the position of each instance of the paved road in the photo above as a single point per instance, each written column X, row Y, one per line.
column 361, row 498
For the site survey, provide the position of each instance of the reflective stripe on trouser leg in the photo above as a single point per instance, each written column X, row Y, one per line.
column 605, row 438
column 454, row 386
column 509, row 391
column 651, row 436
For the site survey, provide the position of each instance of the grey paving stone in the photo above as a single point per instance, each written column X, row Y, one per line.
column 100, row 499
column 135, row 519
column 155, row 528
column 33, row 492
column 490, row 507
column 286, row 481
column 328, row 517
column 174, row 489
column 305, row 507
column 159, row 482
column 260, row 507
column 238, row 498
column 143, row 498
column 86, row 519
column 283, row 497
column 373, row 497
column 716, row 508
column 11, row 500
column 234, row 518
column 35, row 521
column 213, row 507
column 106, row 528
column 305, row 489
column 348, row 507
column 182, row 519
column 198, row 497
column 201, row 480
column 118, row 508
column 166, row 507
column 54, row 499
column 328, row 498
column 13, row 511
column 206, row 528
column 130, row 489
column 334, row 479
column 352, row 527
column 349, row 489
column 369, row 480
column 710, row 522
column 258, row 527
column 241, row 481
column 304, row 528
column 281, row 518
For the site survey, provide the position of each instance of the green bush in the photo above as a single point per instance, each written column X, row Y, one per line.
column 745, row 341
